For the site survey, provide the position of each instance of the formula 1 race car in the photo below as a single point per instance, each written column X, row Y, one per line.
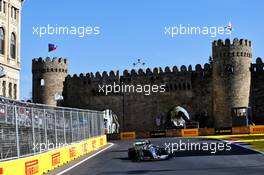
column 144, row 150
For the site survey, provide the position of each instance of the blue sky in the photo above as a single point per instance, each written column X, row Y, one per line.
column 133, row 29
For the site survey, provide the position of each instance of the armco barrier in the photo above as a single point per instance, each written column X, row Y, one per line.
column 206, row 131
column 257, row 129
column 173, row 133
column 114, row 136
column 223, row 131
column 142, row 134
column 189, row 132
column 241, row 130
column 43, row 162
column 157, row 134
column 128, row 135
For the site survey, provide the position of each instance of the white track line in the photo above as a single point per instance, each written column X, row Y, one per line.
column 75, row 165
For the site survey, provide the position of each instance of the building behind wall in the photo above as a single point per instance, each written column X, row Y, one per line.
column 10, row 23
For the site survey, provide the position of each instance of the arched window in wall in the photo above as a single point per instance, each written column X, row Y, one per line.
column 2, row 41
column 13, row 46
column 42, row 82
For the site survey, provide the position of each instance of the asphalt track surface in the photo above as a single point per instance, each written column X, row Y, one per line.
column 114, row 161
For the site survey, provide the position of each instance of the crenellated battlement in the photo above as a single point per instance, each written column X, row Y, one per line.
column 227, row 42
column 48, row 64
column 97, row 75
column 157, row 71
column 225, row 49
column 157, row 75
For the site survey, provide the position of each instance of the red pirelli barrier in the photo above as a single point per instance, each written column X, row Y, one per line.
column 32, row 167
column 258, row 129
column 189, row 132
column 55, row 159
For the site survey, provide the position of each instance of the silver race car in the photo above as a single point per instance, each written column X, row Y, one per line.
column 144, row 150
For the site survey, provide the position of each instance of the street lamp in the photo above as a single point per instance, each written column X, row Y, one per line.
column 123, row 112
column 57, row 98
column 139, row 63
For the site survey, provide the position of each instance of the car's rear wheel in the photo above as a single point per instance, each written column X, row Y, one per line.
column 131, row 153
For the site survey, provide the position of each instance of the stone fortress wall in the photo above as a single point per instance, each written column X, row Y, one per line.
column 229, row 80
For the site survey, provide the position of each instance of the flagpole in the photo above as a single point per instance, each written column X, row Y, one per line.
column 231, row 30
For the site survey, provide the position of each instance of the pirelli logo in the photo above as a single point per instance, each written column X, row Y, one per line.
column 190, row 132
column 257, row 129
column 55, row 159
column 1, row 171
column 94, row 144
column 31, row 167
column 85, row 147
column 223, row 131
column 128, row 135
column 101, row 141
column 72, row 152
column 157, row 134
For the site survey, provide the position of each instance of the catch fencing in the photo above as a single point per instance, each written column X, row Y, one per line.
column 27, row 128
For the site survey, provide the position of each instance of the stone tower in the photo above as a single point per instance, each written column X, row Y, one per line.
column 48, row 78
column 231, row 78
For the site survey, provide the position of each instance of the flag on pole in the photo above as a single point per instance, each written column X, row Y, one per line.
column 229, row 27
column 52, row 47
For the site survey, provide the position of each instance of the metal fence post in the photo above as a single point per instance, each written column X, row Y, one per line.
column 71, row 127
column 88, row 124
column 102, row 123
column 97, row 123
column 33, row 129
column 92, row 124
column 64, row 129
column 83, row 127
column 46, row 125
column 56, row 134
column 5, row 113
column 17, row 135
column 78, row 127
